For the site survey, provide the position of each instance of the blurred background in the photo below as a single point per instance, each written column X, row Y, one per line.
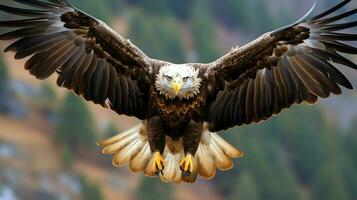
column 47, row 135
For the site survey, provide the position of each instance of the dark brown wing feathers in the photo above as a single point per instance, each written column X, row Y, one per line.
column 289, row 66
column 90, row 58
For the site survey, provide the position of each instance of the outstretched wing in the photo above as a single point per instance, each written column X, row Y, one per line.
column 90, row 58
column 281, row 68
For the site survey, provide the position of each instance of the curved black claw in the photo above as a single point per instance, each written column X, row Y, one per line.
column 186, row 165
column 159, row 172
column 185, row 173
column 158, row 164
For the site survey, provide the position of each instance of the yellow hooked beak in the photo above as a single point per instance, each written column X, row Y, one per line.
column 176, row 85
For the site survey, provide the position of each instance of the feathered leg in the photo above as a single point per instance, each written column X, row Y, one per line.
column 191, row 140
column 157, row 143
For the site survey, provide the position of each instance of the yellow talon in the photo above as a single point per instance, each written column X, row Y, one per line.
column 186, row 165
column 158, row 163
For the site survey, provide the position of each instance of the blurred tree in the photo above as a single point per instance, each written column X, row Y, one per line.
column 328, row 184
column 92, row 7
column 4, row 78
column 349, row 165
column 67, row 157
column 231, row 12
column 203, row 31
column 280, row 182
column 159, row 37
column 350, row 142
column 116, row 6
column 339, row 150
column 90, row 191
column 266, row 160
column 111, row 131
column 335, row 174
column 47, row 102
column 247, row 15
column 153, row 7
column 181, row 8
column 261, row 19
column 47, row 94
column 303, row 128
column 281, row 18
column 135, row 2
column 226, row 182
column 154, row 189
column 245, row 188
column 157, row 7
column 5, row 90
column 349, row 175
column 75, row 127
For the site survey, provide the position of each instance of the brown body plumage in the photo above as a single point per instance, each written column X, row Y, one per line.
column 175, row 114
column 177, row 119
column 180, row 105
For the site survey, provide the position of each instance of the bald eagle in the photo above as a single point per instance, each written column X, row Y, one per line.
column 181, row 106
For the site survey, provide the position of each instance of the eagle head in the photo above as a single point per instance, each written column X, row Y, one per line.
column 178, row 81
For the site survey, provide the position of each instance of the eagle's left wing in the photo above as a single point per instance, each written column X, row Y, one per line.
column 289, row 66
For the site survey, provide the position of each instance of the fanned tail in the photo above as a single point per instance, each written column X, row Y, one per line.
column 132, row 147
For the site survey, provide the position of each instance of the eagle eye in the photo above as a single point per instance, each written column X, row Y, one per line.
column 185, row 79
column 168, row 78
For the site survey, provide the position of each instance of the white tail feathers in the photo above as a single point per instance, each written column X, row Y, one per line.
column 132, row 147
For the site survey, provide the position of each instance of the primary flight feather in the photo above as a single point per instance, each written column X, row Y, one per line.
column 181, row 106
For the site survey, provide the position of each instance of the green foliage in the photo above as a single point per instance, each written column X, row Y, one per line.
column 285, row 154
column 348, row 174
column 90, row 191
column 4, row 79
column 349, row 163
column 156, row 7
column 6, row 93
column 154, row 189
column 153, row 7
column 350, row 142
column 203, row 31
column 67, row 157
column 111, row 131
column 116, row 6
column 260, row 20
column 92, row 7
column 301, row 137
column 252, row 16
column 280, row 182
column 181, row 8
column 270, row 166
column 329, row 184
column 246, row 188
column 231, row 12
column 158, row 37
column 47, row 97
column 48, row 93
column 75, row 127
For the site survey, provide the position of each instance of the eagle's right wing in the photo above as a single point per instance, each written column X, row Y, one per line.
column 90, row 58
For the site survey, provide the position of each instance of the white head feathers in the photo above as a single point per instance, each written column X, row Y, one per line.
column 178, row 81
